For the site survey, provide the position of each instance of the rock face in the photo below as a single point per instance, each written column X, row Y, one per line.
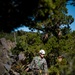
column 21, row 56
column 6, row 59
column 2, row 69
column 10, row 64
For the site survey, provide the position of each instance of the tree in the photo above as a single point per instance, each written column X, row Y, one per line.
column 15, row 13
column 44, row 15
column 71, row 2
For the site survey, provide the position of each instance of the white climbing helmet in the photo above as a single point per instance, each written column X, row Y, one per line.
column 42, row 51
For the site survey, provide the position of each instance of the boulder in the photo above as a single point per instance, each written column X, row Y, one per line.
column 6, row 57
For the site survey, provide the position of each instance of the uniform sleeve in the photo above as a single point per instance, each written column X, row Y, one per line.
column 45, row 66
column 32, row 63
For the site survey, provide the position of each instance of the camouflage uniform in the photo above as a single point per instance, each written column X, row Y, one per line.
column 38, row 65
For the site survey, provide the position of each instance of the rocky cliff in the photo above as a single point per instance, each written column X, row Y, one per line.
column 6, row 57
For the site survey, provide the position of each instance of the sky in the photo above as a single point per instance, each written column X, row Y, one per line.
column 71, row 11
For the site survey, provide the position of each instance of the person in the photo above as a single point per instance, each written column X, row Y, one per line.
column 39, row 64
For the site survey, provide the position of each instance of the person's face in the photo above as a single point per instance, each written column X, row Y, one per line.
column 41, row 55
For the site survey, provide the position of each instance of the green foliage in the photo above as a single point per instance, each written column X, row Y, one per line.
column 53, row 70
column 47, row 16
column 44, row 15
column 30, row 43
column 8, row 36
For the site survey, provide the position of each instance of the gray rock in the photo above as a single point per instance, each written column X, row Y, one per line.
column 6, row 57
column 2, row 69
column 7, row 67
column 21, row 56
